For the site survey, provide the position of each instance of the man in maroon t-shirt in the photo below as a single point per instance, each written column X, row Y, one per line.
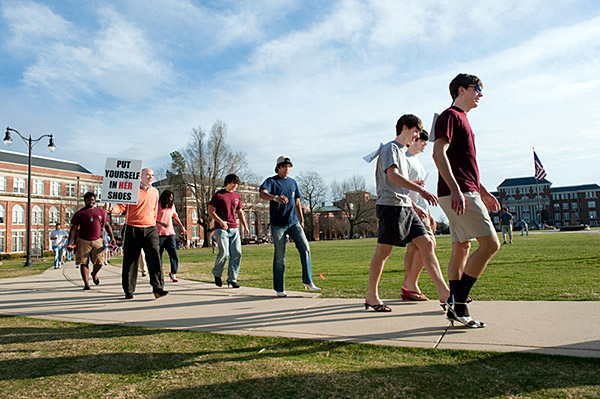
column 223, row 208
column 87, row 223
column 462, row 197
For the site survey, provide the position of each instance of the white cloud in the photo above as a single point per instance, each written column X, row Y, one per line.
column 33, row 26
column 117, row 61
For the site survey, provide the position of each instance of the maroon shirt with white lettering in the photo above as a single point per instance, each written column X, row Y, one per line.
column 454, row 126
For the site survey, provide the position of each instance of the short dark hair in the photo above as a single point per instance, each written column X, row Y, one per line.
column 231, row 178
column 88, row 195
column 409, row 121
column 463, row 80
column 423, row 135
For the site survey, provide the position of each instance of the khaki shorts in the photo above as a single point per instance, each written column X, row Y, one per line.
column 428, row 228
column 89, row 250
column 474, row 223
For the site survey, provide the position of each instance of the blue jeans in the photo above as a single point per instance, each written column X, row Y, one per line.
column 229, row 244
column 58, row 251
column 297, row 235
column 170, row 244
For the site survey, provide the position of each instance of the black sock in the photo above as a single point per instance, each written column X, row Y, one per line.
column 466, row 283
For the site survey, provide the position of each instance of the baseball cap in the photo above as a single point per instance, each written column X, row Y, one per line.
column 283, row 160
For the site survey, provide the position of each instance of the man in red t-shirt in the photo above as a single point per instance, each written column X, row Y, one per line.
column 463, row 199
column 87, row 224
column 223, row 207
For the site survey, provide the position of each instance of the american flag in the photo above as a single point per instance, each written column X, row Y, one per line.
column 540, row 173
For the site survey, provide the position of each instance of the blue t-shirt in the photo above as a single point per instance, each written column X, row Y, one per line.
column 282, row 214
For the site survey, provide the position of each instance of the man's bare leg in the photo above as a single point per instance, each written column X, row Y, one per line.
column 84, row 270
column 382, row 253
column 427, row 251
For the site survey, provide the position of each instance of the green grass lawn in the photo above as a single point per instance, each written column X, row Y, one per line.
column 546, row 266
column 51, row 359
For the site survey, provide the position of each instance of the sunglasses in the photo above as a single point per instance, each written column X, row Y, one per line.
column 478, row 89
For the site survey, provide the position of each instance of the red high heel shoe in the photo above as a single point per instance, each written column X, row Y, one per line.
column 408, row 295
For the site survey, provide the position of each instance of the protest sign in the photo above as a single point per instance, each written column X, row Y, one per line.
column 121, row 183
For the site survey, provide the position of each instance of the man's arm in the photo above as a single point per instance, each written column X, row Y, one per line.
column 457, row 199
column 489, row 200
column 108, row 230
column 264, row 194
column 398, row 179
column 74, row 228
column 299, row 212
column 211, row 212
column 242, row 218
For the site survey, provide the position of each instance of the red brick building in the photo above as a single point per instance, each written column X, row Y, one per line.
column 56, row 194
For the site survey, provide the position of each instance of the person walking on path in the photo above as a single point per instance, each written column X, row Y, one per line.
column 58, row 237
column 286, row 219
column 462, row 197
column 223, row 208
column 506, row 225
column 141, row 233
column 399, row 223
column 166, row 233
column 87, row 225
column 413, row 262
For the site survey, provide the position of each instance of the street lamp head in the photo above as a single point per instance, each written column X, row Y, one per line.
column 51, row 145
column 7, row 138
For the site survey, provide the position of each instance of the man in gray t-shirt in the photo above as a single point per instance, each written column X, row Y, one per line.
column 398, row 222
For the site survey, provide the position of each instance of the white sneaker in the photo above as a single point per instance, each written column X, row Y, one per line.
column 173, row 277
column 282, row 294
column 311, row 287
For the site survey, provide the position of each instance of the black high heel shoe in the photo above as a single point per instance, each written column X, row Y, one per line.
column 378, row 308
column 233, row 284
column 218, row 282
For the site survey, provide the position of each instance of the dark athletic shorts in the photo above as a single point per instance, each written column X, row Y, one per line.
column 398, row 225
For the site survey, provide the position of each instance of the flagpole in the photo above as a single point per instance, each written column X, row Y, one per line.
column 537, row 189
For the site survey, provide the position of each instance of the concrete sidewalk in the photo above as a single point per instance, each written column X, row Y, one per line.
column 562, row 328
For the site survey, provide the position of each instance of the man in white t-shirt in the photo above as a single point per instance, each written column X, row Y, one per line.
column 58, row 237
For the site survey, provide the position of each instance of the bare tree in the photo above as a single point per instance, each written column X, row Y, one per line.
column 203, row 165
column 352, row 197
column 313, row 192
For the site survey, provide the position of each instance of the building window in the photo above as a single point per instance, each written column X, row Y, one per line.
column 556, row 206
column 54, row 216
column 69, row 215
column 557, row 217
column 19, row 185
column 18, row 215
column 566, row 216
column 37, row 215
column 195, row 231
column 2, row 213
column 195, row 215
column 36, row 240
column 2, row 183
column 593, row 215
column 591, row 204
column 2, row 239
column 574, row 205
column 565, row 205
column 54, row 188
column 38, row 187
column 84, row 189
column 98, row 192
column 70, row 189
column 17, row 241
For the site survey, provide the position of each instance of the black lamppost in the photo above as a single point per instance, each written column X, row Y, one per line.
column 30, row 143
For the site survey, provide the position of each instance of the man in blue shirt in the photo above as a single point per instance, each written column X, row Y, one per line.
column 286, row 219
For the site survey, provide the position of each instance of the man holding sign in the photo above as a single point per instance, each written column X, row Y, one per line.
column 141, row 233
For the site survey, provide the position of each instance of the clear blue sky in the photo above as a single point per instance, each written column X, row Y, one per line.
column 320, row 81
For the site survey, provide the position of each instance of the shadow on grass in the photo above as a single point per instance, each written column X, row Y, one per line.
column 261, row 367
